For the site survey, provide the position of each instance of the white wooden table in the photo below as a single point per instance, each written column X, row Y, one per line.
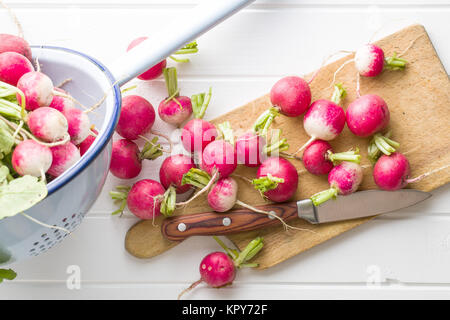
column 402, row 255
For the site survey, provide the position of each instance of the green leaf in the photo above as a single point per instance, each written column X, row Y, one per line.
column 7, row 274
column 21, row 194
column 4, row 172
column 6, row 139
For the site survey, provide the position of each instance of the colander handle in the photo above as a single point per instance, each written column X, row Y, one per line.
column 164, row 43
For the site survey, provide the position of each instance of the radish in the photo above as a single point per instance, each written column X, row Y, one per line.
column 13, row 66
column 12, row 43
column 143, row 198
column 250, row 149
column 325, row 119
column 219, row 157
column 64, row 156
column 344, row 179
column 318, row 157
column 155, row 71
column 79, row 124
column 37, row 88
column 392, row 172
column 198, row 133
column 277, row 179
column 218, row 269
column 86, row 144
column 223, row 194
column 137, row 117
column 172, row 170
column 367, row 115
column 291, row 95
column 61, row 103
column 369, row 61
column 175, row 109
column 48, row 124
column 126, row 158
column 31, row 158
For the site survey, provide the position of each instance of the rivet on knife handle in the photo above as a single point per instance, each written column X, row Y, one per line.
column 211, row 223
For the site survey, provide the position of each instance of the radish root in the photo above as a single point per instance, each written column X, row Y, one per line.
column 14, row 18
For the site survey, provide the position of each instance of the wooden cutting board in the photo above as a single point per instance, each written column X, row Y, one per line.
column 419, row 103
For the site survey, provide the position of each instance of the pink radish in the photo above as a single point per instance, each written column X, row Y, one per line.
column 392, row 172
column 144, row 199
column 223, row 195
column 250, row 149
column 218, row 269
column 325, row 119
column 37, row 88
column 367, row 115
column 291, row 95
column 137, row 117
column 79, row 124
column 172, row 170
column 126, row 158
column 219, row 155
column 198, row 133
column 318, row 157
column 86, row 144
column 175, row 109
column 31, row 158
column 61, row 103
column 370, row 61
column 48, row 124
column 277, row 179
column 344, row 179
column 155, row 71
column 12, row 43
column 64, row 156
column 13, row 66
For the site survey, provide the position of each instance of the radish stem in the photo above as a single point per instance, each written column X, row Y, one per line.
column 324, row 196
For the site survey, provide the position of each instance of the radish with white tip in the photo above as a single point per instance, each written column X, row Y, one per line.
column 31, row 158
column 37, row 88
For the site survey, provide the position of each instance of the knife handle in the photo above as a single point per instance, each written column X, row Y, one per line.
column 234, row 221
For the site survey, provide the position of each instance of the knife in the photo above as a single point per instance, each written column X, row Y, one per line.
column 357, row 205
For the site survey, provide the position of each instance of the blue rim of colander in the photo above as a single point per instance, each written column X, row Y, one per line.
column 104, row 138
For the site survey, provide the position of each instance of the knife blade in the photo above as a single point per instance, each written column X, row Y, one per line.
column 357, row 205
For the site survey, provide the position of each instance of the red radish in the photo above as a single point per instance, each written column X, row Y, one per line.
column 370, row 61
column 198, row 133
column 13, row 66
column 137, row 117
column 86, row 144
column 31, row 158
column 48, row 124
column 79, row 124
column 250, row 149
column 318, row 157
column 291, row 95
column 392, row 172
column 175, row 109
column 144, row 199
column 126, row 158
column 277, row 179
column 37, row 88
column 172, row 170
column 61, row 103
column 344, row 179
column 223, row 194
column 155, row 71
column 64, row 156
column 12, row 43
column 367, row 115
column 325, row 119
column 219, row 155
column 218, row 269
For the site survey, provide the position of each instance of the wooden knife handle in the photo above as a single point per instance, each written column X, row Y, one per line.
column 211, row 223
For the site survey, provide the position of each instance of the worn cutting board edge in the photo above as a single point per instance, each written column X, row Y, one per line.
column 280, row 245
